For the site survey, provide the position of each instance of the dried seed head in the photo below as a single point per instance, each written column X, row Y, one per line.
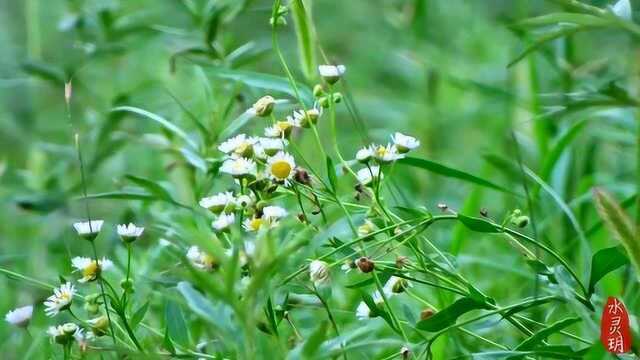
column 402, row 261
column 426, row 313
column 302, row 218
column 365, row 264
column 302, row 176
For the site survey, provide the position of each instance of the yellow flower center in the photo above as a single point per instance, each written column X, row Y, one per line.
column 283, row 125
column 255, row 224
column 208, row 261
column 281, row 169
column 242, row 147
column 381, row 151
column 91, row 270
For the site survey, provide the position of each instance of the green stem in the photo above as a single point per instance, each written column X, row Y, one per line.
column 104, row 295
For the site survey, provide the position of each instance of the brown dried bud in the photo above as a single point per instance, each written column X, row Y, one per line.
column 426, row 313
column 365, row 264
column 302, row 218
column 405, row 352
column 302, row 176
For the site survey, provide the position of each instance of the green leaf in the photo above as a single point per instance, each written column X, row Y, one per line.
column 449, row 315
column 563, row 17
column 159, row 120
column 264, row 81
column 218, row 315
column 331, row 172
column 139, row 314
column 618, row 223
column 151, row 186
column 120, row 195
column 605, row 261
column 235, row 125
column 443, row 170
column 45, row 71
column 305, row 36
column 311, row 346
column 530, row 304
column 549, row 36
column 541, row 335
column 478, row 224
column 167, row 343
column 175, row 324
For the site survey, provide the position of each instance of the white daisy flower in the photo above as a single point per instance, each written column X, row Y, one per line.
column 319, row 272
column 622, row 9
column 20, row 316
column 281, row 167
column 253, row 224
column 273, row 212
column 82, row 338
column 365, row 154
column 89, row 268
column 305, row 118
column 60, row 300
column 240, row 167
column 395, row 285
column 238, row 146
column 332, row 73
column 88, row 229
column 264, row 106
column 364, row 175
column 219, row 202
column 387, row 154
column 62, row 334
column 200, row 259
column 363, row 312
column 223, row 222
column 404, row 143
column 129, row 233
column 281, row 129
column 272, row 146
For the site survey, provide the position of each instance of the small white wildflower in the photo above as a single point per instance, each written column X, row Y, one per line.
column 20, row 316
column 238, row 146
column 219, row 202
column 63, row 334
column 223, row 222
column 89, row 268
column 308, row 117
column 274, row 212
column 253, row 224
column 129, row 233
column 239, row 168
column 404, row 143
column 201, row 259
column 272, row 146
column 332, row 73
column 386, row 154
column 281, row 129
column 367, row 228
column 364, row 175
column 363, row 312
column 281, row 167
column 365, row 154
column 82, row 338
column 88, row 229
column 395, row 285
column 319, row 272
column 60, row 300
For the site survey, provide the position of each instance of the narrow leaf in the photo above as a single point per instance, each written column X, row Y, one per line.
column 605, row 261
column 306, row 41
column 160, row 120
column 449, row 315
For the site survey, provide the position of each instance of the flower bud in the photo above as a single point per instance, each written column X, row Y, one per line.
column 402, row 261
column 264, row 106
column 318, row 91
column 337, row 97
column 405, row 352
column 365, row 264
column 127, row 285
column 365, row 229
column 520, row 221
column 319, row 272
column 99, row 325
column 69, row 328
column 400, row 285
column 331, row 73
column 91, row 308
column 279, row 19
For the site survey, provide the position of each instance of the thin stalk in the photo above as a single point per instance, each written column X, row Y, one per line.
column 104, row 295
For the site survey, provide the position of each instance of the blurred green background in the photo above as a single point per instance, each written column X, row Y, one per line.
column 437, row 70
